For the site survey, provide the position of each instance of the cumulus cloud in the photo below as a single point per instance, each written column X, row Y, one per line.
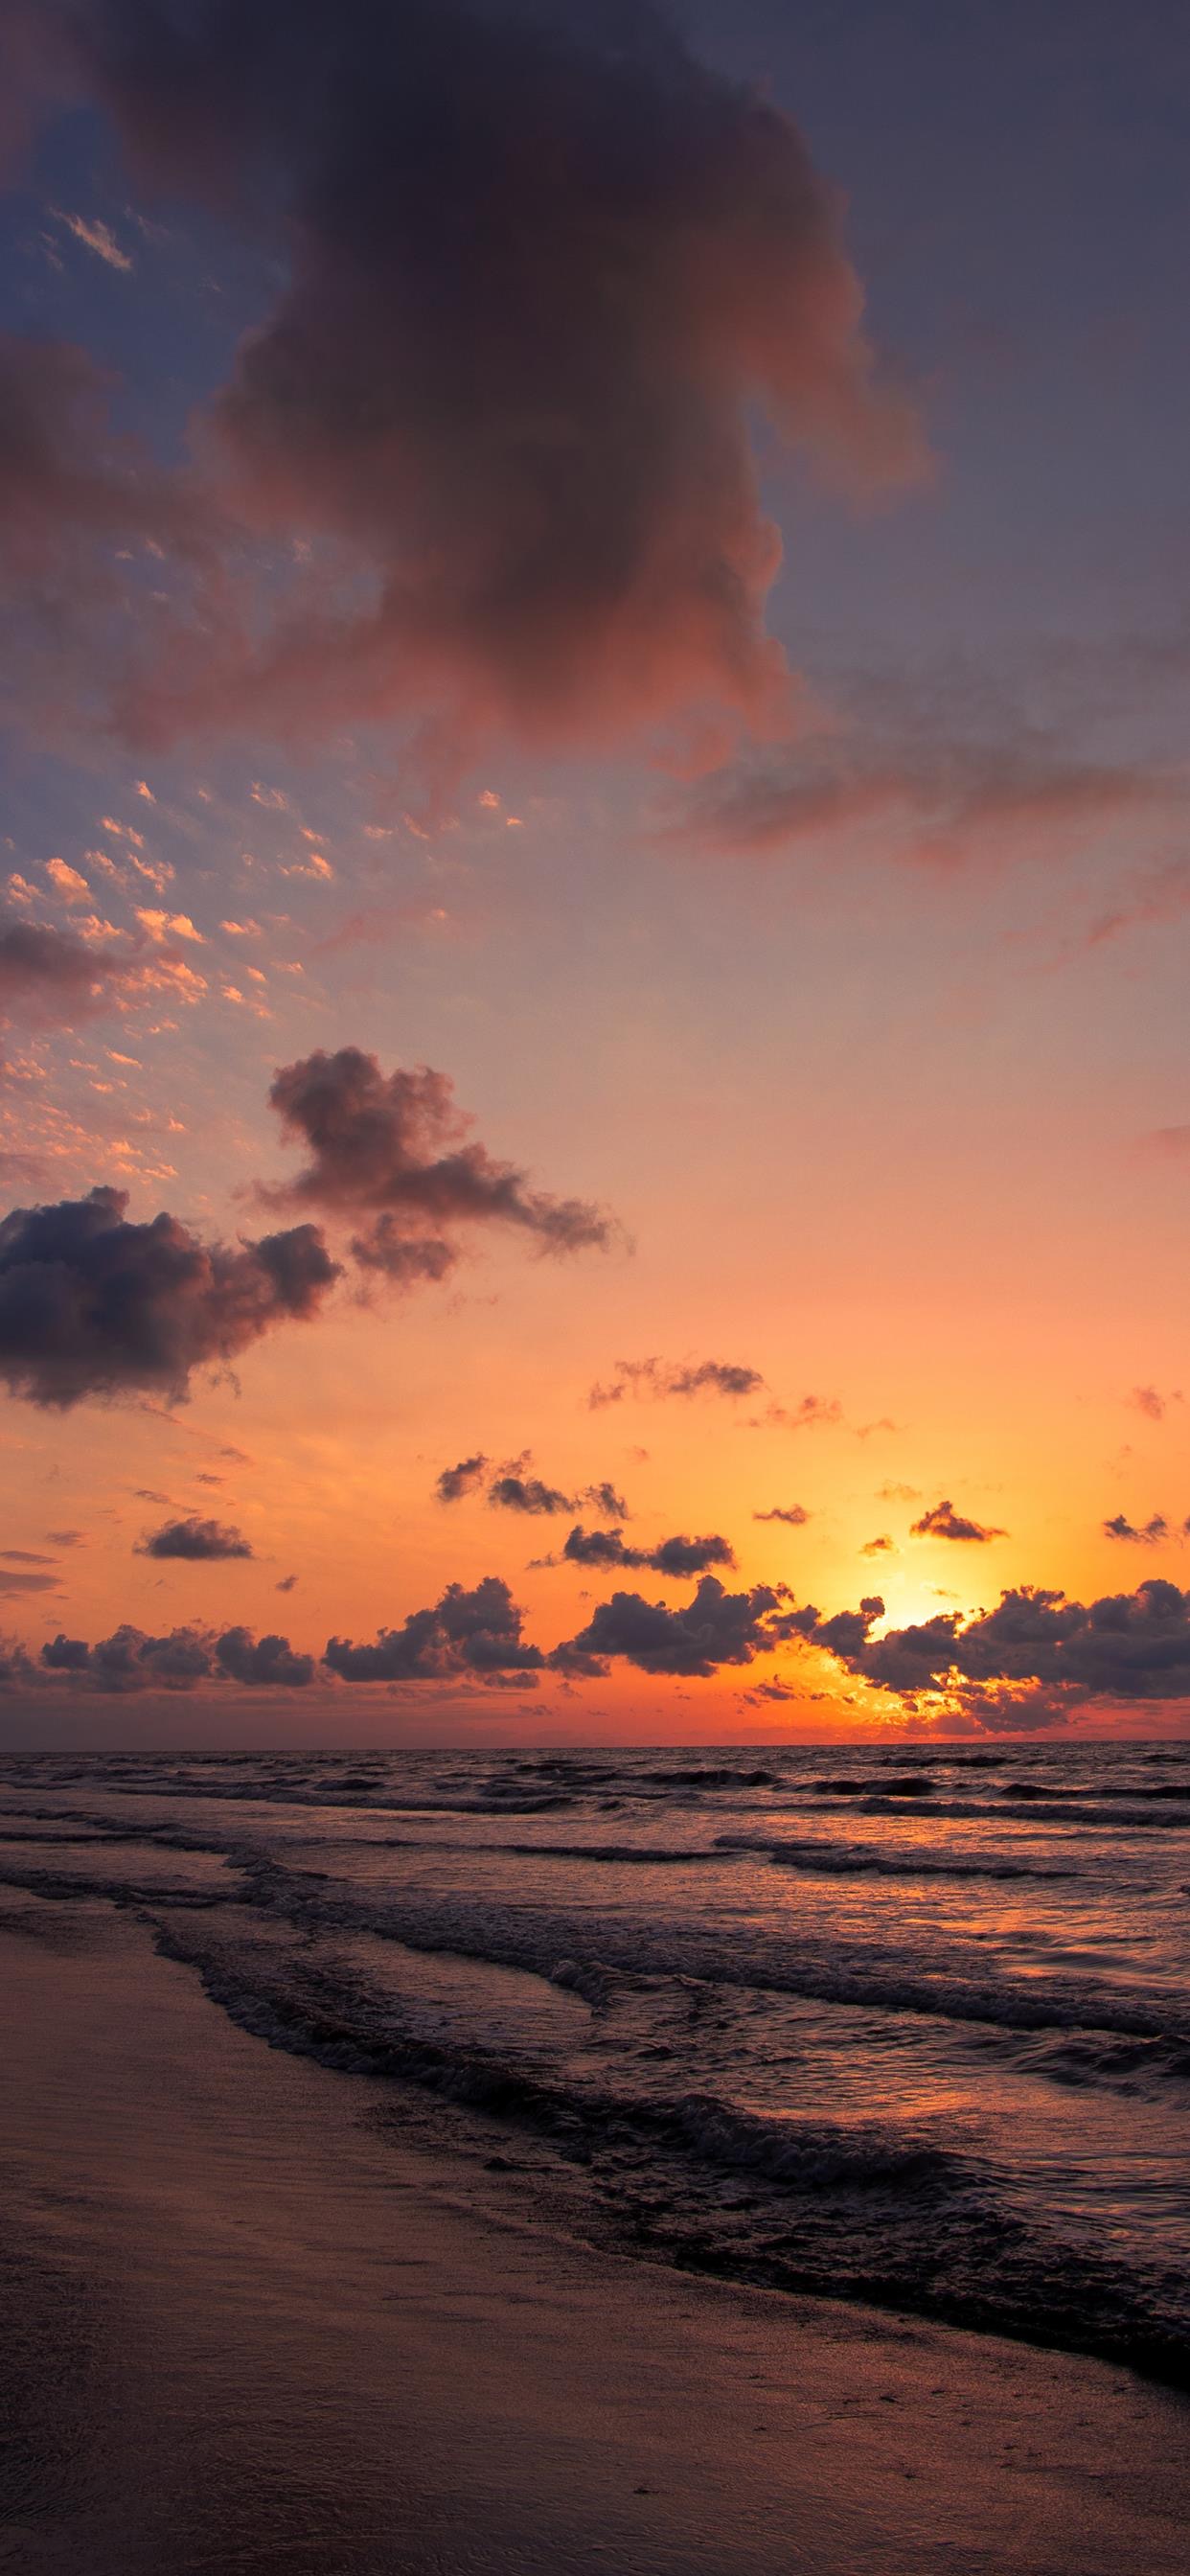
column 679, row 1556
column 263, row 1661
column 455, row 1482
column 942, row 1521
column 393, row 1153
column 130, row 1661
column 794, row 1515
column 1028, row 1661
column 1150, row 1534
column 714, row 1628
column 473, row 1634
column 655, row 1379
column 195, row 1541
column 535, row 460
column 91, row 1305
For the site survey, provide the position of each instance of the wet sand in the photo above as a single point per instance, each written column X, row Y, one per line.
column 248, row 2331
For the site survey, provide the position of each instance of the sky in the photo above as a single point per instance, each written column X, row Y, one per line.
column 594, row 899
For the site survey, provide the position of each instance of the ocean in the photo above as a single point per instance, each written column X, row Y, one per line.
column 908, row 2026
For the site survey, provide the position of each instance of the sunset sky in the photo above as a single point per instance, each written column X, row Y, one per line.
column 639, row 566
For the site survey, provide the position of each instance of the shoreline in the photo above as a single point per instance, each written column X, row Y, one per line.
column 259, row 2333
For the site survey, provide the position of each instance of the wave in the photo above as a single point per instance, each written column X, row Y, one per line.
column 868, row 1860
column 873, row 2211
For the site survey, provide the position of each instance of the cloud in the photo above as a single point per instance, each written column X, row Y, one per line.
column 527, row 1494
column 814, row 1413
column 393, row 1153
column 1151, row 1535
column 262, row 1661
column 656, row 1379
column 472, row 1634
column 679, row 1556
column 286, row 1583
column 98, row 237
column 1029, row 1661
column 950, row 804
column 130, row 1661
column 51, row 976
column 513, row 1491
column 454, row 1482
column 794, row 1515
column 878, row 1547
column 942, row 1521
column 16, row 1580
column 195, row 1541
column 533, row 468
column 714, row 1628
column 91, row 1305
column 1154, row 1406
column 1172, row 1143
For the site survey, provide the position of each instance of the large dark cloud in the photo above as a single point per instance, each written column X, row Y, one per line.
column 541, row 268
column 196, row 1541
column 1030, row 1658
column 129, row 1660
column 263, row 1661
column 715, row 1627
column 472, row 1634
column 93, row 1306
column 393, row 1154
column 677, row 1556
column 660, row 1378
column 942, row 1521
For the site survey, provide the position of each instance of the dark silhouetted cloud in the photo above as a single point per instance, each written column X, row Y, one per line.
column 1149, row 1535
column 196, row 1541
column 878, row 1547
column 286, row 1583
column 129, row 1661
column 794, row 1515
column 527, row 1494
column 656, row 1379
column 942, row 1521
column 678, row 1556
column 536, row 462
column 467, row 1634
column 392, row 1153
column 714, row 1628
column 454, row 1482
column 262, row 1660
column 93, row 1306
column 1031, row 1660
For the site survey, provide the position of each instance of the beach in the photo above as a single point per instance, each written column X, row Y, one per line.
column 250, row 2331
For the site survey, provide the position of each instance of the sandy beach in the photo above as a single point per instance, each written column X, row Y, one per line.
column 250, row 2331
